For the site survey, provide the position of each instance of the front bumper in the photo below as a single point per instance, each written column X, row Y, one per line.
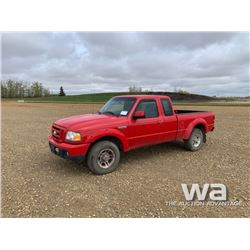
column 68, row 151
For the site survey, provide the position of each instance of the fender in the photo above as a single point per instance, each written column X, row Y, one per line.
column 191, row 126
column 109, row 132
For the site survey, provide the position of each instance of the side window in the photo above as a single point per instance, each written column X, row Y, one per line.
column 149, row 107
column 167, row 107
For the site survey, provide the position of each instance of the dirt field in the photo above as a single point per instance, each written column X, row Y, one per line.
column 36, row 183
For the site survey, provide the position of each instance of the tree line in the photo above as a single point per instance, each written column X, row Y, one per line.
column 136, row 89
column 17, row 89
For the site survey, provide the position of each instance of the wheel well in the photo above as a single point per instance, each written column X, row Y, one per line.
column 113, row 139
column 201, row 127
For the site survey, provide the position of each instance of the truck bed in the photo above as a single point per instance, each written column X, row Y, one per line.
column 187, row 117
column 183, row 112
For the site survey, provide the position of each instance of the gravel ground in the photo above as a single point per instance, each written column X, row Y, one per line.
column 36, row 183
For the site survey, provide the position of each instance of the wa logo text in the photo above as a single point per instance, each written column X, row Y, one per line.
column 216, row 192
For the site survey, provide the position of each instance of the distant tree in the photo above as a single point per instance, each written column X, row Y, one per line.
column 36, row 89
column 180, row 91
column 134, row 89
column 28, row 92
column 61, row 92
column 4, row 90
column 46, row 92
column 10, row 89
column 17, row 89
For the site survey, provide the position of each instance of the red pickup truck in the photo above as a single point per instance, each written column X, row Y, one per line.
column 125, row 123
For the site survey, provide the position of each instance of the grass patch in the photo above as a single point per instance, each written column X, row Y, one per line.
column 223, row 104
column 100, row 98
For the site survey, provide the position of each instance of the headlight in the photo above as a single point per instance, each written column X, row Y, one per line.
column 73, row 136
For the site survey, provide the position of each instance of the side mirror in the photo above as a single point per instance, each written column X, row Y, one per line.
column 139, row 114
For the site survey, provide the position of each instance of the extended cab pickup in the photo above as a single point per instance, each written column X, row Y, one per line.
column 125, row 123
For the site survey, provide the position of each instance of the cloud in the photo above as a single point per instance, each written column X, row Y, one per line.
column 215, row 63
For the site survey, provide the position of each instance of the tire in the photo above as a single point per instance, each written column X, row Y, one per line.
column 195, row 140
column 103, row 157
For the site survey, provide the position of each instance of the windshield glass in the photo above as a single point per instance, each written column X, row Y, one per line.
column 119, row 106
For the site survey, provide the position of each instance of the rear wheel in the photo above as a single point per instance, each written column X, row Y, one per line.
column 195, row 141
column 103, row 157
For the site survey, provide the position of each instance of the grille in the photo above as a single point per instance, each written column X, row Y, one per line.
column 57, row 133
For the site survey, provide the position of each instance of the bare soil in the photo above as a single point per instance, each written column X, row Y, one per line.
column 36, row 183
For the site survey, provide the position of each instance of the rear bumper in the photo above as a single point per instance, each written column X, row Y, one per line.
column 68, row 151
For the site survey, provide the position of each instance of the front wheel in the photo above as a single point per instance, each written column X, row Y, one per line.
column 103, row 157
column 195, row 141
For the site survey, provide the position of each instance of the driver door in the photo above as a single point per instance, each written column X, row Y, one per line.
column 145, row 131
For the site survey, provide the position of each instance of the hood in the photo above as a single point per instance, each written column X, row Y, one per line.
column 80, row 122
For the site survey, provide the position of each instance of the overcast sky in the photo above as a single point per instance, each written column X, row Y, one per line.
column 205, row 63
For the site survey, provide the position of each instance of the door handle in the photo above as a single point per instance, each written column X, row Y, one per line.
column 160, row 121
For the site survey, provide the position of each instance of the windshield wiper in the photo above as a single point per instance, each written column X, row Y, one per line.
column 109, row 112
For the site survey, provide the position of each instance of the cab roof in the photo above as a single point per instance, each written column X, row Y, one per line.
column 144, row 96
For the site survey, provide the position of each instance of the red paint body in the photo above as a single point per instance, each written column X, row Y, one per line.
column 129, row 132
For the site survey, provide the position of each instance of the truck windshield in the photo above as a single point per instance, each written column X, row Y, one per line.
column 118, row 106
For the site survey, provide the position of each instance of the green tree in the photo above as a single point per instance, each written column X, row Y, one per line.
column 46, row 92
column 4, row 90
column 61, row 93
column 134, row 89
column 17, row 89
column 36, row 89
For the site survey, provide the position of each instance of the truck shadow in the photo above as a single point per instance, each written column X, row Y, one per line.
column 151, row 151
column 75, row 167
column 63, row 166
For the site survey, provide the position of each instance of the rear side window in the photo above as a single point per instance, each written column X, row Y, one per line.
column 149, row 107
column 167, row 107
